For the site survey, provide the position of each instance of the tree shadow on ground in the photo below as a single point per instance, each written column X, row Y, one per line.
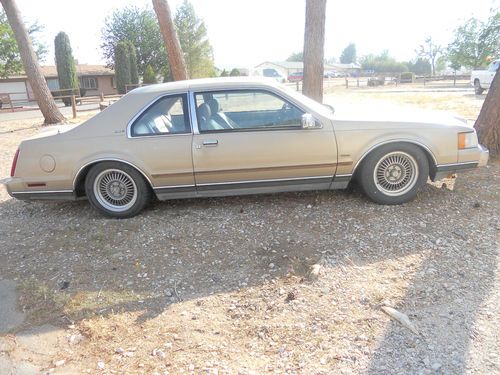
column 73, row 264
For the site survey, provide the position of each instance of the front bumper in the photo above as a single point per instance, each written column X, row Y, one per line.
column 484, row 156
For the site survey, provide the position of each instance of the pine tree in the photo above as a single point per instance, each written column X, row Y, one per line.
column 122, row 67
column 65, row 64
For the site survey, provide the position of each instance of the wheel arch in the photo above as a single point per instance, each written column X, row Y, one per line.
column 431, row 159
column 79, row 180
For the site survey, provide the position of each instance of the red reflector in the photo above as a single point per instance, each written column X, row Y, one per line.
column 14, row 163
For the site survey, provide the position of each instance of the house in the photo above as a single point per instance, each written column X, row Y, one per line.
column 288, row 67
column 95, row 79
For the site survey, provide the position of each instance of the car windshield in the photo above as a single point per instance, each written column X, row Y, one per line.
column 270, row 73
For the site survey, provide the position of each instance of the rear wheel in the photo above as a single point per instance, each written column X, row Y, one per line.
column 117, row 190
column 392, row 174
column 477, row 87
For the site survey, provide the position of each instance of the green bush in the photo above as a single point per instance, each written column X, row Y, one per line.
column 407, row 77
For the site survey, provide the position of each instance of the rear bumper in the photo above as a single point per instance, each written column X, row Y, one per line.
column 16, row 189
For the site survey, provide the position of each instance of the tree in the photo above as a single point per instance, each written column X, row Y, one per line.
column 314, row 43
column 192, row 32
column 382, row 63
column 475, row 41
column 487, row 124
column 420, row 66
column 296, row 57
column 348, row 55
column 132, row 56
column 10, row 60
column 65, row 63
column 46, row 102
column 430, row 51
column 174, row 52
column 149, row 75
column 224, row 73
column 140, row 27
column 235, row 73
column 122, row 67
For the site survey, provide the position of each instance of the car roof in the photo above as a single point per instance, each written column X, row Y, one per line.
column 204, row 83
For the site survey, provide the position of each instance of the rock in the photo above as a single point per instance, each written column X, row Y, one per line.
column 436, row 366
column 271, row 265
column 159, row 353
column 191, row 367
column 75, row 339
column 100, row 365
column 59, row 363
column 120, row 351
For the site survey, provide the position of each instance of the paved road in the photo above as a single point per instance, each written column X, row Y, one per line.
column 23, row 115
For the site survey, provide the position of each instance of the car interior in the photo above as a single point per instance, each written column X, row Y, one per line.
column 166, row 116
column 268, row 113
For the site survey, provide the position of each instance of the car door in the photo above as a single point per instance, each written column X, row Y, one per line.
column 160, row 137
column 252, row 140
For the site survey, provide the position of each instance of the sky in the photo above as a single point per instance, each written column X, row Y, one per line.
column 244, row 33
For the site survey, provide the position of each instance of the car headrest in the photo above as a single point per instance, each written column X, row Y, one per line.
column 214, row 105
column 204, row 111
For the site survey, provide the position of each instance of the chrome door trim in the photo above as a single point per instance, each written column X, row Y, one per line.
column 267, row 180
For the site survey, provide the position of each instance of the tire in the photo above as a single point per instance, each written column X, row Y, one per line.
column 477, row 87
column 393, row 173
column 117, row 190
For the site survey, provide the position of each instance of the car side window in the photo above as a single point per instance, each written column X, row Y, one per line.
column 168, row 115
column 250, row 110
column 494, row 66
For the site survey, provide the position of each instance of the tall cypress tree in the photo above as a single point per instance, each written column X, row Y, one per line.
column 122, row 66
column 134, row 74
column 65, row 63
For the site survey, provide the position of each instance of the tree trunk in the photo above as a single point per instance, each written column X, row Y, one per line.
column 174, row 52
column 488, row 123
column 314, row 42
column 33, row 71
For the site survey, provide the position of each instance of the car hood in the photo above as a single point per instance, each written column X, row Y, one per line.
column 399, row 116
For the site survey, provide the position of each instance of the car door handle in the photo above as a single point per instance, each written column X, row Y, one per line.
column 210, row 142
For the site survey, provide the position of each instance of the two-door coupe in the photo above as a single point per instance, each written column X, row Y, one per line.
column 217, row 137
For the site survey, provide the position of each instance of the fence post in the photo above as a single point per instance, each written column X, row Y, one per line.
column 297, row 84
column 346, row 83
column 357, row 82
column 73, row 105
column 102, row 96
column 424, row 80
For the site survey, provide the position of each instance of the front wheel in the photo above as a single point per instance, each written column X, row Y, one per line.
column 117, row 190
column 392, row 174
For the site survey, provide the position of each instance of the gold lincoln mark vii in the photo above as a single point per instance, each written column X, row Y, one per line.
column 218, row 137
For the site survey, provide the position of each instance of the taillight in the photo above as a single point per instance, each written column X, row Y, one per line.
column 14, row 163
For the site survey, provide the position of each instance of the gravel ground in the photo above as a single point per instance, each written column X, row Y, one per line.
column 222, row 285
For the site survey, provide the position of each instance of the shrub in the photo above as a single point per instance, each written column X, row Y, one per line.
column 149, row 75
column 122, row 66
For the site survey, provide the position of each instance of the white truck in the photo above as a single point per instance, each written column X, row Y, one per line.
column 481, row 79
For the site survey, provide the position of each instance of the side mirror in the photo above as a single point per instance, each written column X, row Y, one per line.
column 309, row 122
